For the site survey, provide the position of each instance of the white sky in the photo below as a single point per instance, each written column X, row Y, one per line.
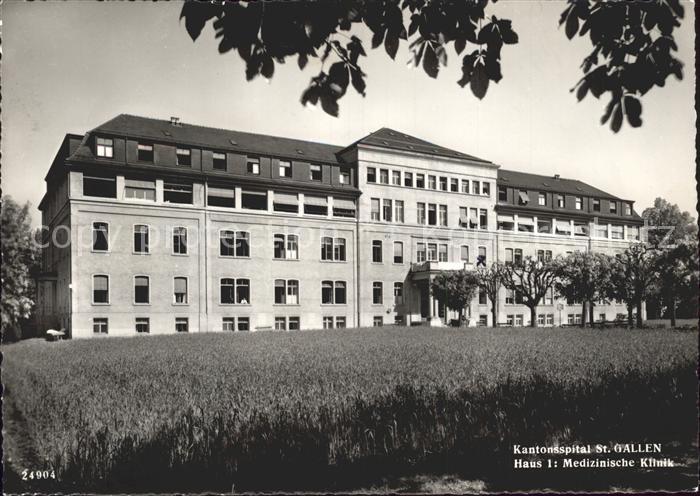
column 70, row 66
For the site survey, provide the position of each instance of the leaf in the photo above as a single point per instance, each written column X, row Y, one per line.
column 430, row 61
column 358, row 81
column 460, row 45
column 505, row 28
column 582, row 90
column 616, row 122
column 391, row 45
column 330, row 105
column 268, row 68
column 196, row 16
column 302, row 60
column 571, row 25
column 480, row 81
column 467, row 68
column 377, row 38
column 493, row 69
column 633, row 109
column 338, row 74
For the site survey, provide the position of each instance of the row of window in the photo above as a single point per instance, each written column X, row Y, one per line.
column 438, row 183
column 565, row 227
column 559, row 199
column 430, row 214
column 142, row 325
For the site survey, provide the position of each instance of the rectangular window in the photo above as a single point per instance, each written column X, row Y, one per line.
column 398, row 252
column 505, row 222
column 548, row 255
column 570, row 319
column 483, row 320
column 540, row 255
column 613, row 207
column 285, row 168
column 563, row 228
column 145, row 152
column 340, row 322
column 617, row 232
column 286, row 247
column 184, row 157
column 140, row 190
column 481, row 259
column 333, row 249
column 228, row 324
column 333, row 293
column 254, row 199
column 100, row 325
column 560, row 201
column 579, row 203
column 141, row 290
column 633, row 233
column 180, row 290
column 219, row 161
column 343, row 178
column 105, row 147
column 540, row 319
column 141, row 239
column 454, row 185
column 542, row 199
column 182, row 324
column 464, row 253
column 285, row 202
column 421, row 254
column 420, row 180
column 243, row 291
column 100, row 236
column 544, row 226
column 374, row 206
column 420, row 213
column 432, row 182
column 408, row 179
column 473, row 218
column 519, row 320
column 386, row 210
column 509, row 255
column 510, row 297
column 315, row 172
column 398, row 293
column 482, row 297
column 378, row 321
column 523, row 197
column 227, row 291
column 502, row 194
column 377, row 293
column 486, row 189
column 510, row 319
column 253, row 165
column 442, row 253
column 432, row 214
column 180, row 240
column 483, row 219
column 143, row 325
column 377, row 251
column 581, row 228
column 396, row 178
column 286, row 292
column 518, row 256
column 99, row 187
column 384, row 176
column 340, row 293
column 221, row 197
column 443, row 183
column 243, row 323
column 596, row 204
column 443, row 215
column 177, row 193
column 328, row 322
column 526, row 224
column 550, row 319
column 628, row 209
column 432, row 252
column 100, row 289
column 465, row 186
column 398, row 211
column 371, row 175
column 475, row 187
column 294, row 323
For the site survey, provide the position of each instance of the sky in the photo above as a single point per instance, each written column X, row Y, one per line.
column 68, row 67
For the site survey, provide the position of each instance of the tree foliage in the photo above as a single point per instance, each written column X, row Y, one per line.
column 455, row 289
column 582, row 277
column 490, row 281
column 668, row 225
column 676, row 287
column 632, row 43
column 20, row 255
column 532, row 278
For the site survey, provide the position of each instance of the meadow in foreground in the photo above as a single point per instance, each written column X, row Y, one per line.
column 334, row 410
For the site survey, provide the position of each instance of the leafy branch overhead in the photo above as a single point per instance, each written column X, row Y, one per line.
column 632, row 42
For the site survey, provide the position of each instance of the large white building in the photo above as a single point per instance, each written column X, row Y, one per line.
column 160, row 226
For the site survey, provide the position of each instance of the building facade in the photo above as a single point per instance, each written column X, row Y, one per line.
column 155, row 226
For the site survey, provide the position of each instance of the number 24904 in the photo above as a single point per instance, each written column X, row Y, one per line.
column 38, row 474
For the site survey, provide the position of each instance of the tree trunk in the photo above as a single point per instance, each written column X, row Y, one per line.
column 591, row 312
column 494, row 314
column 673, row 310
column 639, row 313
column 630, row 321
column 583, row 313
column 533, row 316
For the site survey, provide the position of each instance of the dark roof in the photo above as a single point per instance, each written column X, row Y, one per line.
column 396, row 140
column 550, row 183
column 218, row 139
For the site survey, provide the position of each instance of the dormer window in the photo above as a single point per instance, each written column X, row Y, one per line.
column 628, row 209
column 219, row 161
column 184, row 157
column 253, row 165
column 596, row 204
column 579, row 203
column 285, row 168
column 315, row 172
column 613, row 207
column 145, row 152
column 344, row 177
column 105, row 147
column 523, row 198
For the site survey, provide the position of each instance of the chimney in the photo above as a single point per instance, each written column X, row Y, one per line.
column 557, row 176
column 175, row 121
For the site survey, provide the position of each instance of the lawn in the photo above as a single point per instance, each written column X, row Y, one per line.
column 338, row 410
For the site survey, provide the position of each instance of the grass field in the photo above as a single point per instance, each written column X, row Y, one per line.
column 338, row 410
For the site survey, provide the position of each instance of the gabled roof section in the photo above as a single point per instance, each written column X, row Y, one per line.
column 550, row 183
column 218, row 139
column 396, row 140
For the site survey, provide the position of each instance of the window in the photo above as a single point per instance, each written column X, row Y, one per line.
column 443, row 183
column 219, row 161
column 377, row 251
column 143, row 325
column 221, row 197
column 601, row 317
column 544, row 226
column 581, row 228
column 613, row 207
column 100, row 289
column 180, row 240
column 465, row 186
column 483, row 219
column 285, row 202
column 145, row 152
column 333, row 293
column 473, row 218
column 177, row 193
column 464, row 253
column 518, row 256
column 486, row 189
column 371, row 175
column 432, row 182
column 509, row 319
column 633, row 233
column 180, row 290
column 454, row 185
column 182, row 324
column 482, row 297
column 420, row 213
column 540, row 319
column 481, row 260
column 548, row 255
column 315, row 172
column 228, row 324
column 519, row 320
column 140, row 239
column 509, row 255
column 343, row 177
column 243, row 291
column 328, row 322
column 579, row 203
column 570, row 319
column 253, row 165
column 420, row 180
column 542, row 199
column 526, row 224
column 333, row 249
column 563, row 228
column 540, row 255
column 398, row 211
column 384, row 176
column 596, row 204
column 100, row 187
column 254, row 199
column 398, row 252
column 442, row 253
column 502, row 194
column 377, row 293
column 234, row 244
column 408, row 179
column 285, row 168
column 475, row 187
column 340, row 322
column 280, row 323
column 628, row 209
column 483, row 320
column 141, row 290
column 550, row 319
column 443, row 215
column 386, row 210
column 617, row 232
column 549, row 297
column 396, row 178
column 432, row 214
column 420, row 253
column 105, row 147
column 294, row 323
column 505, row 222
column 432, row 252
column 560, row 201
column 375, row 209
column 100, row 236
column 140, row 190
column 100, row 325
column 378, row 321
column 398, row 293
column 286, row 246
column 184, row 157
column 286, row 292
column 523, row 198
column 243, row 323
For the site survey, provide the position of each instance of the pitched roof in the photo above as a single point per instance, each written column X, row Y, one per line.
column 218, row 139
column 550, row 183
column 396, row 140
